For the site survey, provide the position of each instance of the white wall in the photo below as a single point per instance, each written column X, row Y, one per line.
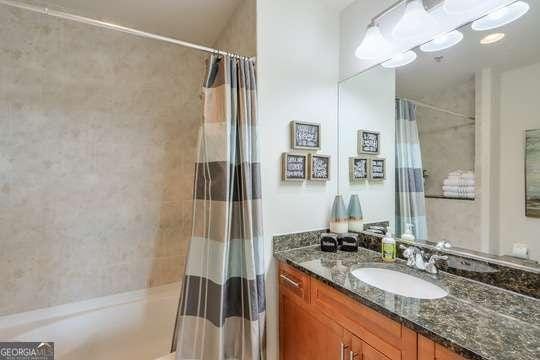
column 298, row 64
column 354, row 21
column 519, row 89
column 367, row 102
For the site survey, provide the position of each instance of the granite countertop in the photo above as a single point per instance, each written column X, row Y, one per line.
column 476, row 320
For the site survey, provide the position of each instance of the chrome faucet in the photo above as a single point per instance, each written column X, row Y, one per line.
column 415, row 259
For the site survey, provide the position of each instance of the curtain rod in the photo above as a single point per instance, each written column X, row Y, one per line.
column 421, row 104
column 110, row 26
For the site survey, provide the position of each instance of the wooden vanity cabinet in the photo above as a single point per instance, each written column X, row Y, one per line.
column 317, row 322
column 304, row 334
column 428, row 350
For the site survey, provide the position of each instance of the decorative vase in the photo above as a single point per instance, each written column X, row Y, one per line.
column 356, row 219
column 338, row 217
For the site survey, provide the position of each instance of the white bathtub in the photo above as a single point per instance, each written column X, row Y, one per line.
column 136, row 325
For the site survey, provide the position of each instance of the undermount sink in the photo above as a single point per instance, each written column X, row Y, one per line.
column 399, row 283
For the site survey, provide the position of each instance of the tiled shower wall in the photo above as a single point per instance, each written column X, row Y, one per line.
column 97, row 144
column 448, row 143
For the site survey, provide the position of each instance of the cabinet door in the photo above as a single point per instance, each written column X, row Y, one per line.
column 362, row 351
column 428, row 350
column 306, row 336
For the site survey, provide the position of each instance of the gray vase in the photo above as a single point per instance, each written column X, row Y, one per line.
column 356, row 218
column 338, row 217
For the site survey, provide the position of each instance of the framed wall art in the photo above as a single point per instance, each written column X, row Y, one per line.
column 319, row 167
column 293, row 167
column 377, row 169
column 369, row 142
column 305, row 136
column 358, row 169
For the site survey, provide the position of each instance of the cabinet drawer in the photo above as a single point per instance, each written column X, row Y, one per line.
column 294, row 282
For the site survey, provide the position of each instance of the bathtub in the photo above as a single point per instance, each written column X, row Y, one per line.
column 136, row 325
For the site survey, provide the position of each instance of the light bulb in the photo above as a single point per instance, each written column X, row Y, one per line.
column 501, row 16
column 415, row 22
column 462, row 6
column 492, row 38
column 443, row 41
column 400, row 59
column 374, row 45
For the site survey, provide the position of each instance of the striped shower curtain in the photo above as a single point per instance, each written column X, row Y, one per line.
column 221, row 314
column 410, row 200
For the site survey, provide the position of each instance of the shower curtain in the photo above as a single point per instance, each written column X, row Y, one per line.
column 410, row 200
column 221, row 314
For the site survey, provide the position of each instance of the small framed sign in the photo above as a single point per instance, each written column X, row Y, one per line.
column 369, row 142
column 319, row 167
column 293, row 167
column 358, row 169
column 377, row 169
column 305, row 136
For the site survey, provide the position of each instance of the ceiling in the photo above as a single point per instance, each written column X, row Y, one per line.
column 198, row 21
column 520, row 47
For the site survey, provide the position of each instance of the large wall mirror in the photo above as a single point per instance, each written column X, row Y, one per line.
column 459, row 130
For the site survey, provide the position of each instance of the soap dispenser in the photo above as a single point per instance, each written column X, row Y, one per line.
column 408, row 234
column 388, row 247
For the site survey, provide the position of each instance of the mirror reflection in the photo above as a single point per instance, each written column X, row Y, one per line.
column 458, row 130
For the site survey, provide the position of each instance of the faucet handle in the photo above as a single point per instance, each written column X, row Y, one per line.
column 435, row 257
column 408, row 251
column 443, row 245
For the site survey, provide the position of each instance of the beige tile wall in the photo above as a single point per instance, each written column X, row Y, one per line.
column 448, row 143
column 97, row 143
column 240, row 34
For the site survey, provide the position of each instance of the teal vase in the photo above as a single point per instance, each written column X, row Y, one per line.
column 338, row 217
column 356, row 218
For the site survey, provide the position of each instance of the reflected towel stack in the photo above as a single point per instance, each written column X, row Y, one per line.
column 460, row 184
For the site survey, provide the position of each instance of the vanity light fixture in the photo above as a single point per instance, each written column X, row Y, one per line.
column 492, row 38
column 443, row 41
column 400, row 59
column 414, row 22
column 461, row 6
column 374, row 45
column 501, row 16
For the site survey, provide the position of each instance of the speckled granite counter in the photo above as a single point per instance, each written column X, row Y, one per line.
column 476, row 320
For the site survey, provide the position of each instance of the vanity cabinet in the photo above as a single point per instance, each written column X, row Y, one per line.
column 304, row 335
column 317, row 321
column 428, row 350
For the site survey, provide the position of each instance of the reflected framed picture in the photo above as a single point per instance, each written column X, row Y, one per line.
column 377, row 169
column 319, row 167
column 305, row 135
column 532, row 173
column 369, row 142
column 293, row 167
column 358, row 169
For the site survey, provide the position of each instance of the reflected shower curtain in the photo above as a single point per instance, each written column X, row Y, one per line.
column 410, row 200
column 221, row 314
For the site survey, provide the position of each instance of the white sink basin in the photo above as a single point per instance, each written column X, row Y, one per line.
column 399, row 283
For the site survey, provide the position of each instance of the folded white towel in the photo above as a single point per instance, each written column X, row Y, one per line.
column 459, row 195
column 459, row 189
column 458, row 182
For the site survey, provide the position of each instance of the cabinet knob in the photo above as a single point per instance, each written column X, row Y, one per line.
column 353, row 355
